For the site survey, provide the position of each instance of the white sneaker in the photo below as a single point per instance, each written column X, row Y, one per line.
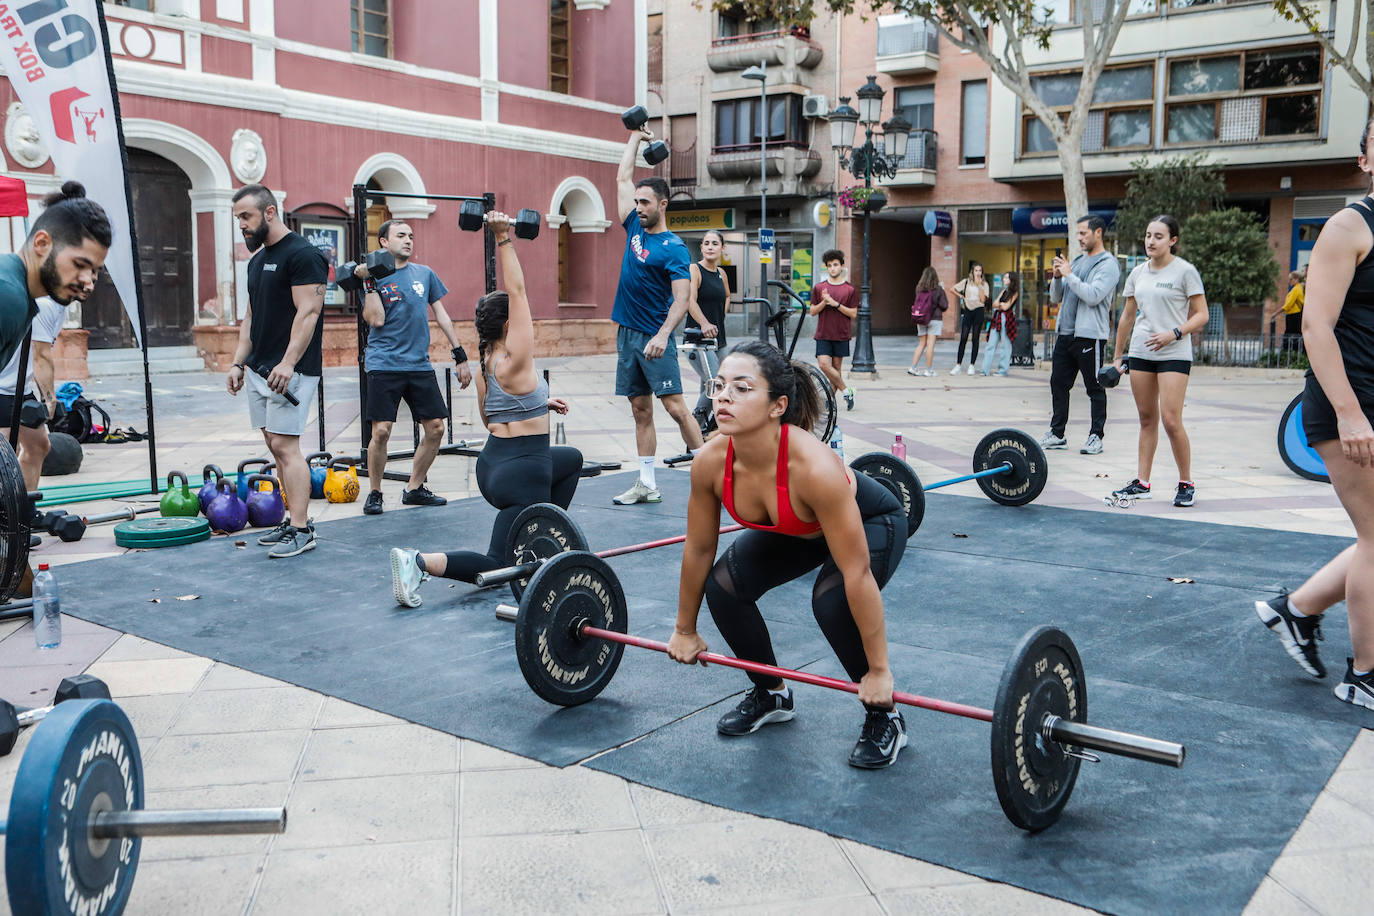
column 957, row 369
column 1050, row 440
column 1093, row 445
column 914, row 371
column 406, row 576
column 970, row 369
column 639, row 493
column 929, row 373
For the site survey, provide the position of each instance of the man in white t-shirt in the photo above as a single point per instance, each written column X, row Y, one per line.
column 33, row 440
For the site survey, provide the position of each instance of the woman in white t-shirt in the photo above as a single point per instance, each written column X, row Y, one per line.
column 1165, row 304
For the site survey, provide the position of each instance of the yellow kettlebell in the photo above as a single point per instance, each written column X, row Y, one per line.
column 270, row 483
column 341, row 486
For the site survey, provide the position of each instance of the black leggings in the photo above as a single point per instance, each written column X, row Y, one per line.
column 513, row 474
column 759, row 561
column 970, row 324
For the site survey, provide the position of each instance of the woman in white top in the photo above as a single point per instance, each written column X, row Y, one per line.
column 1165, row 304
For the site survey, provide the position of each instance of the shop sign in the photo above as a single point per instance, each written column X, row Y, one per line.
column 701, row 220
column 938, row 222
column 1052, row 220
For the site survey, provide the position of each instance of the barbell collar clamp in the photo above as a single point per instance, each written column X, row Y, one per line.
column 1109, row 741
column 172, row 822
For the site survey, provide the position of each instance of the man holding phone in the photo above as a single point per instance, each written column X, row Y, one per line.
column 1084, row 290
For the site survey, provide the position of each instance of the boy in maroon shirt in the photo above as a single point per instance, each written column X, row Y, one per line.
column 832, row 301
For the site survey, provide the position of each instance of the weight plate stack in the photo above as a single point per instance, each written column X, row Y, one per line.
column 540, row 532
column 148, row 533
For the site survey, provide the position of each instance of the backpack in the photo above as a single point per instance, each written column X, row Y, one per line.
column 76, row 420
column 923, row 306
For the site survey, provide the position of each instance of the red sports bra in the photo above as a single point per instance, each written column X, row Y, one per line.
column 788, row 523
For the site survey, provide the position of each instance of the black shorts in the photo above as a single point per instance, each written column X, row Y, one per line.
column 1318, row 416
column 839, row 348
column 1137, row 364
column 420, row 391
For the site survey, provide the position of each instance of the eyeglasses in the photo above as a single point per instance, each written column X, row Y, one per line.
column 717, row 388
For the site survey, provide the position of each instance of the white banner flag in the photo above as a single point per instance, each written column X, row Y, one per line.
column 55, row 55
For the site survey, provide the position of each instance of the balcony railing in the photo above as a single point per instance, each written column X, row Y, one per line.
column 680, row 170
column 784, row 158
column 779, row 47
column 921, row 149
column 908, row 38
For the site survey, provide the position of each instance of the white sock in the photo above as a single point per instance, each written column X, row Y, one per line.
column 1144, row 483
column 1293, row 609
column 785, row 692
column 646, row 472
column 1358, row 673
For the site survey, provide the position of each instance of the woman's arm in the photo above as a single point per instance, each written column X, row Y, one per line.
column 1124, row 325
column 698, row 551
column 520, row 330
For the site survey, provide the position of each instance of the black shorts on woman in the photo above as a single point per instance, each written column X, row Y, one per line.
column 760, row 561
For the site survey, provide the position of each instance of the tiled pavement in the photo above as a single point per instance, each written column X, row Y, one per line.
column 390, row 817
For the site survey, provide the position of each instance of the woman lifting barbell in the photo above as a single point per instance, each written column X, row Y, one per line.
column 813, row 513
column 517, row 467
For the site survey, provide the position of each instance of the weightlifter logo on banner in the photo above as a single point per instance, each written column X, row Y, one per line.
column 55, row 56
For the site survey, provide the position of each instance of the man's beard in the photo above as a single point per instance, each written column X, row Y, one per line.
column 651, row 220
column 52, row 280
column 256, row 238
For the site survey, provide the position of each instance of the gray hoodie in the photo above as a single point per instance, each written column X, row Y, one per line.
column 1085, row 296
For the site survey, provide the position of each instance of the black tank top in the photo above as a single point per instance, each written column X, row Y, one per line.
column 1355, row 327
column 711, row 300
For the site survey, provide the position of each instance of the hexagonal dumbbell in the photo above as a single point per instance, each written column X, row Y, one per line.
column 13, row 719
column 472, row 216
column 380, row 263
column 634, row 119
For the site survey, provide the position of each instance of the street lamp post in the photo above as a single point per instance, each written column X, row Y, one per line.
column 868, row 161
column 760, row 73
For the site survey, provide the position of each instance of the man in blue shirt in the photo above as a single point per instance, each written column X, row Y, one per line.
column 655, row 284
column 397, row 359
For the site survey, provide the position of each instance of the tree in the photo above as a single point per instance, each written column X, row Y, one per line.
column 1181, row 186
column 1312, row 18
column 1230, row 250
column 1019, row 22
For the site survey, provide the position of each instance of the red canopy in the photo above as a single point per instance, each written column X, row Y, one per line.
column 14, row 198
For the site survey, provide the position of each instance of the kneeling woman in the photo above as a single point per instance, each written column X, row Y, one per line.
column 807, row 511
column 517, row 467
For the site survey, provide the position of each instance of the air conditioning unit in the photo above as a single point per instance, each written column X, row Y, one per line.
column 815, row 106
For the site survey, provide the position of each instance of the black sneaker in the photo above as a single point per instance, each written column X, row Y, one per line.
column 1299, row 635
column 294, row 541
column 883, row 737
column 421, row 496
column 1133, row 490
column 757, row 709
column 373, row 506
column 1358, row 691
column 1184, row 496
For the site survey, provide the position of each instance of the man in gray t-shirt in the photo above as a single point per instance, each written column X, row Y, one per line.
column 1084, row 291
column 397, row 310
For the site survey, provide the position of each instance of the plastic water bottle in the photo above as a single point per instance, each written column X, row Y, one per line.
column 47, row 610
column 559, row 436
column 837, row 443
column 899, row 448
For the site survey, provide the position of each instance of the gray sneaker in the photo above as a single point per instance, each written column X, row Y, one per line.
column 406, row 576
column 1093, row 445
column 275, row 535
column 1050, row 440
column 294, row 541
column 639, row 493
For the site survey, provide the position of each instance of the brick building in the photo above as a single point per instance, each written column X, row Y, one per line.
column 517, row 97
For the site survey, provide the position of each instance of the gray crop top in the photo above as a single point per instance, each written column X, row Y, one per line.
column 507, row 408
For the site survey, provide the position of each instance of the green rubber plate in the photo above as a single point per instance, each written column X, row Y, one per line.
column 161, row 532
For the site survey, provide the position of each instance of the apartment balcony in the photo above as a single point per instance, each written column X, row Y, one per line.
column 908, row 49
column 788, row 161
column 917, row 170
column 780, row 48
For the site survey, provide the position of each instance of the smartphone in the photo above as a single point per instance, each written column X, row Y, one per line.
column 1059, row 252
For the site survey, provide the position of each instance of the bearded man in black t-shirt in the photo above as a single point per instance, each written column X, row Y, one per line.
column 279, row 352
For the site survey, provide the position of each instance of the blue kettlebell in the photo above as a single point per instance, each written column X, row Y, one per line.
column 266, row 508
column 227, row 512
column 209, row 489
column 318, row 472
column 244, row 473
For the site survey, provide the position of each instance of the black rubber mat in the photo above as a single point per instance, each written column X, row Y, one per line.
column 1186, row 661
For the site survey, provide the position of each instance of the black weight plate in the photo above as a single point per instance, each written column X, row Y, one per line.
column 1033, row 775
column 1029, row 470
column 558, row 664
column 900, row 478
column 824, row 426
column 83, row 758
column 15, row 515
column 538, row 533
column 1302, row 459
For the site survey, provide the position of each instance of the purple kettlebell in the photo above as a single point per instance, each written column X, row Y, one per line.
column 227, row 512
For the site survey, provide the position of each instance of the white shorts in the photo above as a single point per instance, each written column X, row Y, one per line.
column 274, row 413
column 935, row 327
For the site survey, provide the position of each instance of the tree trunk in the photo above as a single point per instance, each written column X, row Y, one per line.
column 1075, row 185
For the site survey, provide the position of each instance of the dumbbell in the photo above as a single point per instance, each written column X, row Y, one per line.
column 380, row 263
column 634, row 119
column 472, row 216
column 13, row 720
column 33, row 413
column 68, row 527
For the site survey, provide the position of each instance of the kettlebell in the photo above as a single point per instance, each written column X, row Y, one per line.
column 317, row 472
column 265, row 505
column 179, row 500
column 270, row 470
column 341, row 486
column 227, row 512
column 243, row 473
column 209, row 490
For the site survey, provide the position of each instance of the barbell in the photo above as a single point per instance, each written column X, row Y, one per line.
column 570, row 633
column 543, row 530
column 76, row 817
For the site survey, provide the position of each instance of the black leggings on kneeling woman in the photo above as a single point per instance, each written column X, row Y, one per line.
column 513, row 474
column 759, row 561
